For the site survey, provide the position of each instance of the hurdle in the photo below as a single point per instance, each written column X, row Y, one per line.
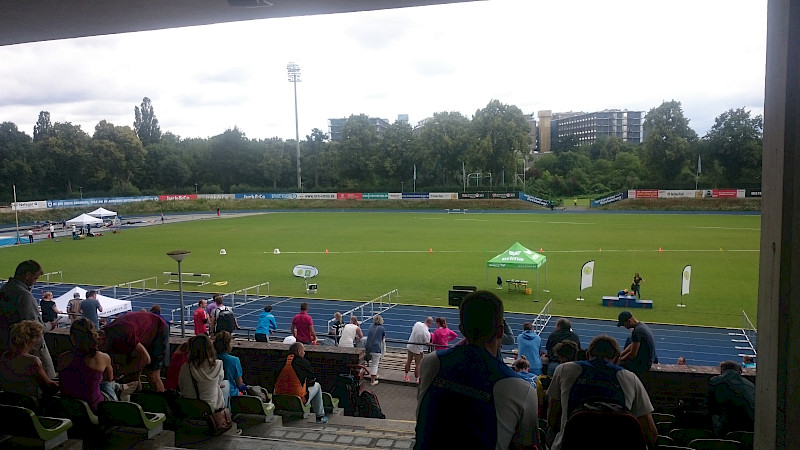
column 456, row 211
column 47, row 276
column 541, row 320
column 373, row 307
column 201, row 279
column 131, row 286
column 748, row 336
column 247, row 293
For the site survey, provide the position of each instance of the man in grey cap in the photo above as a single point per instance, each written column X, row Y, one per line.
column 640, row 354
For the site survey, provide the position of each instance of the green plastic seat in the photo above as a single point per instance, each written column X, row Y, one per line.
column 329, row 402
column 290, row 405
column 663, row 417
column 131, row 415
column 85, row 422
column 682, row 436
column 192, row 408
column 250, row 405
column 14, row 399
column 745, row 437
column 22, row 424
column 715, row 444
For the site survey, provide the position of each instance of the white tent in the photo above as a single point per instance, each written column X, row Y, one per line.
column 111, row 306
column 84, row 219
column 102, row 212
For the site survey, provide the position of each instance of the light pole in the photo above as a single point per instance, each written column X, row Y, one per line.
column 402, row 183
column 294, row 77
column 180, row 255
column 195, row 189
column 80, row 188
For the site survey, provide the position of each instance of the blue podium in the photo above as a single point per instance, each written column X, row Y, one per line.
column 627, row 302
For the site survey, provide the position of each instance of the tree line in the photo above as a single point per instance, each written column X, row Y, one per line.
column 61, row 160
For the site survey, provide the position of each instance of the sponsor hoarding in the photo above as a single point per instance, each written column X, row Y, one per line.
column 505, row 195
column 610, row 199
column 21, row 206
column 534, row 199
column 752, row 193
column 443, row 196
column 395, row 196
column 348, row 196
column 646, row 193
column 216, row 196
column 375, row 196
column 415, row 195
column 317, row 195
column 472, row 195
column 679, row 194
column 71, row 203
column 169, row 197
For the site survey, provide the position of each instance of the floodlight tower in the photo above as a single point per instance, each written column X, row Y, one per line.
column 294, row 77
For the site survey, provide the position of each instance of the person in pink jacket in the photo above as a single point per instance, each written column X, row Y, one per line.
column 443, row 335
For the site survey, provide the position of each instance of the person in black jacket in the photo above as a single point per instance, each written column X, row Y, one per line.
column 563, row 332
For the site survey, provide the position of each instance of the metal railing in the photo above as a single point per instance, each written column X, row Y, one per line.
column 543, row 318
column 245, row 295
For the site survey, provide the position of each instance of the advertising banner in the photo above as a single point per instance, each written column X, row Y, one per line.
column 752, row 193
column 395, row 196
column 472, row 195
column 216, row 196
column 505, row 195
column 71, row 203
column 415, row 195
column 610, row 199
column 686, row 278
column 349, row 196
column 679, row 194
column 21, row 206
column 587, row 274
column 723, row 193
column 317, row 196
column 533, row 199
column 375, row 196
column 646, row 193
column 165, row 198
column 284, row 196
column 443, row 196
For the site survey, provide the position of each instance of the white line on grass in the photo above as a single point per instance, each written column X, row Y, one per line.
column 351, row 252
column 727, row 228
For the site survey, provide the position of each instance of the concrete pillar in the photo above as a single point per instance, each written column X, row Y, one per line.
column 778, row 377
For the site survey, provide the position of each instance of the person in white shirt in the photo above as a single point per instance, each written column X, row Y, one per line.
column 417, row 344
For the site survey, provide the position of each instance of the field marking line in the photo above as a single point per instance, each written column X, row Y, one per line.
column 726, row 228
column 353, row 252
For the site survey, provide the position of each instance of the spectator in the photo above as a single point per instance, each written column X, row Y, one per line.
column 156, row 309
column 74, row 307
column 336, row 327
column 30, row 236
column 266, row 325
column 598, row 379
column 417, row 344
column 681, row 361
column 522, row 367
column 303, row 326
column 641, row 353
column 231, row 365
column 202, row 377
column 376, row 341
column 213, row 304
column 138, row 341
column 50, row 311
column 90, row 307
column 176, row 362
column 566, row 351
column 351, row 333
column 731, row 400
column 18, row 304
column 747, row 362
column 297, row 378
column 529, row 343
column 468, row 398
column 21, row 372
column 563, row 332
column 86, row 372
column 200, row 318
column 222, row 318
column 442, row 336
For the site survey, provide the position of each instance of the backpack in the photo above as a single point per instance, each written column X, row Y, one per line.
column 224, row 320
column 368, row 406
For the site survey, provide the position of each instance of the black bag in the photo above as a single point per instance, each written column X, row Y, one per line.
column 368, row 406
column 346, row 390
column 224, row 320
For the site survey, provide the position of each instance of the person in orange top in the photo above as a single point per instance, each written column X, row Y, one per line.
column 297, row 378
column 200, row 318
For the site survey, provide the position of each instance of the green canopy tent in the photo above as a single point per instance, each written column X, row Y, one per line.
column 519, row 257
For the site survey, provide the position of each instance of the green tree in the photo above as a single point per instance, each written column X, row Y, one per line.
column 146, row 123
column 501, row 134
column 16, row 154
column 117, row 155
column 443, row 142
column 276, row 163
column 357, row 152
column 397, row 153
column 735, row 141
column 67, row 151
column 42, row 127
column 669, row 142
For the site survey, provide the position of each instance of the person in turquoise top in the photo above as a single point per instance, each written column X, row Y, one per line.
column 266, row 325
column 230, row 364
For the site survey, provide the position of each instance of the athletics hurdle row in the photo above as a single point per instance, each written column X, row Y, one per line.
column 371, row 308
column 232, row 296
column 131, row 286
column 199, row 278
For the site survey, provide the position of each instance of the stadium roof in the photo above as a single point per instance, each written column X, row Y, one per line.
column 24, row 21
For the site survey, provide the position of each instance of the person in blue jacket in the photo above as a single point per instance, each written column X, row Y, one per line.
column 529, row 344
column 266, row 325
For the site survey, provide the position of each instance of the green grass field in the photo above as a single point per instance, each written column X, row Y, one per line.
column 423, row 254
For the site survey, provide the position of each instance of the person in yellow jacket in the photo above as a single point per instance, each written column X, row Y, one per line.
column 297, row 378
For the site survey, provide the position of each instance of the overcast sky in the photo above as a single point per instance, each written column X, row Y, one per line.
column 564, row 55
